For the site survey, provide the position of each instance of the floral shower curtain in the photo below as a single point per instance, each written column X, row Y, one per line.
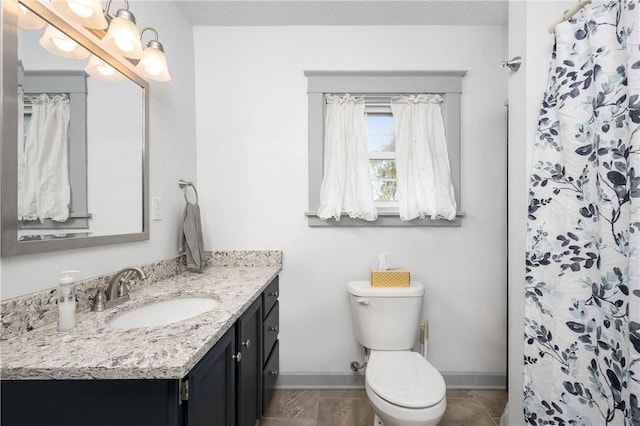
column 582, row 309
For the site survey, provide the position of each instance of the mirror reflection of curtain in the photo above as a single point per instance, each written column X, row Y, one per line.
column 21, row 124
column 43, row 173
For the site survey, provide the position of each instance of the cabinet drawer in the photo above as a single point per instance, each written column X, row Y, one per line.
column 270, row 296
column 269, row 376
column 270, row 329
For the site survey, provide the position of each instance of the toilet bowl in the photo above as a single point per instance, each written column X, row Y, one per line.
column 404, row 389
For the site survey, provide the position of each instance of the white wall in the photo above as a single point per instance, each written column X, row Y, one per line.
column 528, row 37
column 114, row 164
column 251, row 121
column 172, row 156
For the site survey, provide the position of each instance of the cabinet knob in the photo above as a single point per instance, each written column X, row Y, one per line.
column 237, row 356
column 274, row 294
column 273, row 372
column 274, row 328
column 247, row 344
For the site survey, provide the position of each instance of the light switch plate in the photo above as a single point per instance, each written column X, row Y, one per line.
column 156, row 208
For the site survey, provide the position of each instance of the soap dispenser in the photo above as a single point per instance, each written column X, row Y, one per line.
column 66, row 302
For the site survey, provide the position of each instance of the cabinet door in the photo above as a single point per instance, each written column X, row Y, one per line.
column 249, row 383
column 270, row 375
column 212, row 386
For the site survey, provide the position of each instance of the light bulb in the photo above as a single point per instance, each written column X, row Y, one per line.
column 64, row 43
column 124, row 43
column 29, row 20
column 153, row 64
column 122, row 35
column 87, row 13
column 105, row 69
column 102, row 70
column 80, row 8
column 61, row 44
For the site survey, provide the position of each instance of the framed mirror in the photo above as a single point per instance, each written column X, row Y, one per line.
column 74, row 146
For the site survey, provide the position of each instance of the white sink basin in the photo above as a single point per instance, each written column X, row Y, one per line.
column 163, row 312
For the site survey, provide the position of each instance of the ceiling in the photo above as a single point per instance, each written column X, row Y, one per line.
column 344, row 12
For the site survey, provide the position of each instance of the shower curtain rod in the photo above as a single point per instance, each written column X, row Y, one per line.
column 568, row 14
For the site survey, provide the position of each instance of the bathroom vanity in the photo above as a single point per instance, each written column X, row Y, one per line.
column 217, row 368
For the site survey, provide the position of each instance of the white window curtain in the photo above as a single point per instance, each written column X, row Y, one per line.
column 346, row 184
column 43, row 173
column 21, row 100
column 424, row 186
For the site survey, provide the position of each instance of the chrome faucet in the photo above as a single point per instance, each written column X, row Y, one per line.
column 117, row 291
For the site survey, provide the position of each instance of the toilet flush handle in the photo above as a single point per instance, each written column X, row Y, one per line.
column 363, row 301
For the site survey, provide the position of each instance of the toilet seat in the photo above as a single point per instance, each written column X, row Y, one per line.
column 404, row 379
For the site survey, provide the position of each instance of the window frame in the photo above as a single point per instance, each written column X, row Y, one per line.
column 381, row 109
column 381, row 83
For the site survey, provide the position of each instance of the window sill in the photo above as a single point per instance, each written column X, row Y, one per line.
column 385, row 219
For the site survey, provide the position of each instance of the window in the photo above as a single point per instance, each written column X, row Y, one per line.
column 382, row 163
column 378, row 87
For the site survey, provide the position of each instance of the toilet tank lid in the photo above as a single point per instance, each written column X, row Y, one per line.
column 364, row 288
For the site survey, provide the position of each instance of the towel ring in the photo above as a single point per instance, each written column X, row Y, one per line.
column 185, row 185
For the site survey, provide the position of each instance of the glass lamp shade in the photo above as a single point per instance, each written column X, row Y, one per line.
column 29, row 20
column 87, row 13
column 61, row 44
column 123, row 37
column 100, row 69
column 153, row 64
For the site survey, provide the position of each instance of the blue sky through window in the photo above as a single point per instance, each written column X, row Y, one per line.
column 380, row 132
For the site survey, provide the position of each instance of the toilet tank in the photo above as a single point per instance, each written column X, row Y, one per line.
column 385, row 318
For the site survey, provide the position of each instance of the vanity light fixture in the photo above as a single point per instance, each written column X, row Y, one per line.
column 153, row 64
column 29, row 20
column 55, row 41
column 122, row 35
column 100, row 69
column 87, row 13
column 118, row 33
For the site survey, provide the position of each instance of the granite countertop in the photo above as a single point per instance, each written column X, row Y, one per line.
column 93, row 350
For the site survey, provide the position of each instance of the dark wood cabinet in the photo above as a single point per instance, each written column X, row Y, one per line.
column 249, row 377
column 90, row 402
column 230, row 386
column 208, row 393
column 270, row 374
column 270, row 347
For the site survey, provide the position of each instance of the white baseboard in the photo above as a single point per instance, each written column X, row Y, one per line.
column 454, row 380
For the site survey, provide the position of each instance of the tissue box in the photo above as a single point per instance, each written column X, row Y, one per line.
column 396, row 277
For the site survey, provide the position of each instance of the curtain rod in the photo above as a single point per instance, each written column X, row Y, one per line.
column 568, row 14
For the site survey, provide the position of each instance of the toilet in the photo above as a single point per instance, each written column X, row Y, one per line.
column 403, row 388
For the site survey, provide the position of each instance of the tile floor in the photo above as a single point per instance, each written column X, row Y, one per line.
column 351, row 408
